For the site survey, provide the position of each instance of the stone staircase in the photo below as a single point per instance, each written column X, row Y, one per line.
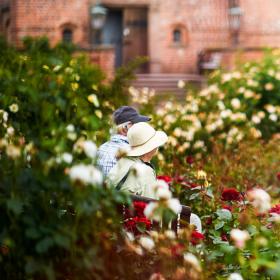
column 167, row 83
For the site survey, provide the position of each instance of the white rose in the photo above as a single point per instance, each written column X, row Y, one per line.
column 13, row 108
column 235, row 276
column 90, row 149
column 147, row 243
column 163, row 193
column 70, row 128
column 273, row 117
column 235, row 103
column 256, row 119
column 10, row 131
column 239, row 237
column 192, row 259
column 174, row 205
column 67, row 157
column 260, row 199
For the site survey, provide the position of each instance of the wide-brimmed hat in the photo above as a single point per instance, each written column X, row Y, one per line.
column 143, row 138
column 128, row 114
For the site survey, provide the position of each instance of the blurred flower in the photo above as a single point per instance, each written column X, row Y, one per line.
column 235, row 276
column 165, row 178
column 92, row 98
column 273, row 117
column 230, row 194
column 174, row 205
column 224, row 237
column 201, row 175
column 275, row 209
column 67, row 157
column 157, row 276
column 70, row 128
column 256, row 119
column 177, row 250
column 151, row 213
column 86, row 174
column 147, row 243
column 163, row 193
column 10, row 131
column 190, row 159
column 227, row 207
column 278, row 176
column 13, row 151
column 192, row 260
column 196, row 237
column 235, row 103
column 260, row 199
column 239, row 237
column 170, row 234
column 130, row 224
column 13, row 108
column 89, row 148
column 269, row 86
column 181, row 84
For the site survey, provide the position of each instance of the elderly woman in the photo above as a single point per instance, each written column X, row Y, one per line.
column 134, row 173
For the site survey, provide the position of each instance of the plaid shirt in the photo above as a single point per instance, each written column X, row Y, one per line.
column 106, row 154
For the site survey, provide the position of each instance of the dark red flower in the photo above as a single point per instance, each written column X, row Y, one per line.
column 139, row 207
column 131, row 224
column 278, row 176
column 189, row 159
column 165, row 178
column 228, row 207
column 275, row 209
column 177, row 250
column 209, row 221
column 224, row 237
column 196, row 237
column 231, row 194
column 179, row 179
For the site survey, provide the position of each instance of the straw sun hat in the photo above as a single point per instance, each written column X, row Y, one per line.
column 143, row 138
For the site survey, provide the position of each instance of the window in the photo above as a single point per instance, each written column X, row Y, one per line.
column 177, row 36
column 67, row 35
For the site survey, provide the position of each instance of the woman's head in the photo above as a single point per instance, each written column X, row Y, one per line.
column 144, row 139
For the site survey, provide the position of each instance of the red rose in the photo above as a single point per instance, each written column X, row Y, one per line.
column 139, row 207
column 196, row 237
column 131, row 224
column 231, row 194
column 228, row 207
column 177, row 250
column 165, row 178
column 278, row 176
column 209, row 221
column 275, row 209
column 189, row 159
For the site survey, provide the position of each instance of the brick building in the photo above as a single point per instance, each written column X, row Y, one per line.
column 179, row 36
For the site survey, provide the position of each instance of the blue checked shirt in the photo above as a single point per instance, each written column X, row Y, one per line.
column 106, row 154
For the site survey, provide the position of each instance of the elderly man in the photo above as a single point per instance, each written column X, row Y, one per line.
column 124, row 117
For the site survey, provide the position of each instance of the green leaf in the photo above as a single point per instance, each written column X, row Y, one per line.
column 15, row 205
column 224, row 214
column 44, row 245
column 219, row 225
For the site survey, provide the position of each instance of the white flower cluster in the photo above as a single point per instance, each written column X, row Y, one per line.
column 162, row 192
column 239, row 237
column 86, row 174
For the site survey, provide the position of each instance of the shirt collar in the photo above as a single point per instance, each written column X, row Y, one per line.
column 119, row 138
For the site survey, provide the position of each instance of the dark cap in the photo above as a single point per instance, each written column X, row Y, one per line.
column 126, row 114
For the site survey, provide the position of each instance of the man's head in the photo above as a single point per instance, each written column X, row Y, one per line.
column 125, row 116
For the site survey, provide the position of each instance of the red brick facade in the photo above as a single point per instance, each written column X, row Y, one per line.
column 171, row 32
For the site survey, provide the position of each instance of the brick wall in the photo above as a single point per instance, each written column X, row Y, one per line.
column 41, row 17
column 203, row 25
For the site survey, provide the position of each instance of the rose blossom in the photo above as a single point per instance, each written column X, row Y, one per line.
column 260, row 199
column 239, row 237
column 196, row 237
column 89, row 149
column 235, row 276
column 230, row 194
column 147, row 243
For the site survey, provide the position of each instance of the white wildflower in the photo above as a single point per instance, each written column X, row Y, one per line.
column 256, row 119
column 13, row 108
column 269, row 86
